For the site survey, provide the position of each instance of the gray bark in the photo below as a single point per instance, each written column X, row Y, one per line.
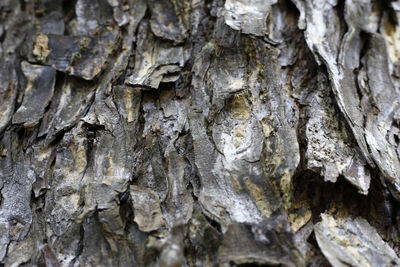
column 199, row 133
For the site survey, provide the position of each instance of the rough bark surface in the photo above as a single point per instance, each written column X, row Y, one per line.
column 199, row 132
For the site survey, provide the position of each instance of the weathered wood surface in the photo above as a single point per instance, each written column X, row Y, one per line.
column 199, row 132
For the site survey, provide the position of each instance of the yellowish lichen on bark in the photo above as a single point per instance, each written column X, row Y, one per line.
column 41, row 48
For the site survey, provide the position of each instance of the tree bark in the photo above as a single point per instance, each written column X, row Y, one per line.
column 199, row 133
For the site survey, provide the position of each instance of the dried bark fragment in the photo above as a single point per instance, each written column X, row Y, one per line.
column 91, row 15
column 178, row 205
column 22, row 252
column 146, row 205
column 38, row 93
column 64, row 203
column 125, row 12
column 8, row 94
column 167, row 19
column 342, row 60
column 68, row 106
column 354, row 242
column 82, row 56
column 329, row 150
column 323, row 35
column 156, row 60
column 16, row 181
column 13, row 28
column 248, row 16
column 381, row 126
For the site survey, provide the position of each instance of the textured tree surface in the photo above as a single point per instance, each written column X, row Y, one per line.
column 199, row 132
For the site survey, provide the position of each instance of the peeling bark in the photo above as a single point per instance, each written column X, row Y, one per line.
column 199, row 133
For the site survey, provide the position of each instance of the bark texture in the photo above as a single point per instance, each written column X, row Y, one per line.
column 199, row 132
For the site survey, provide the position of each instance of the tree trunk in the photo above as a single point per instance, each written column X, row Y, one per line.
column 199, row 133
